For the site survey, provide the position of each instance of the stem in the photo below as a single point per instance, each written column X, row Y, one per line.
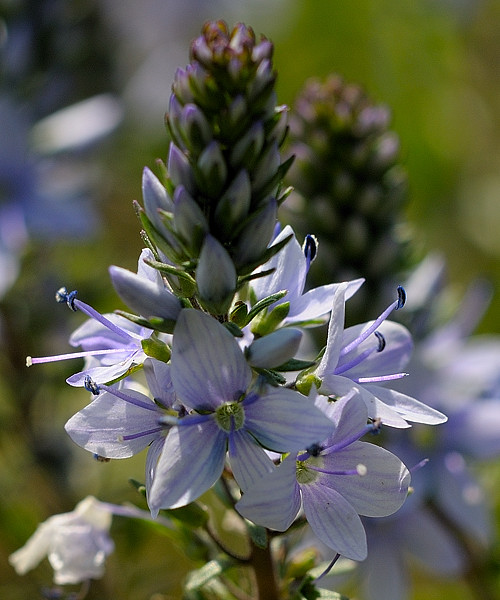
column 263, row 566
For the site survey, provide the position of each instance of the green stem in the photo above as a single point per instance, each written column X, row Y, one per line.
column 264, row 569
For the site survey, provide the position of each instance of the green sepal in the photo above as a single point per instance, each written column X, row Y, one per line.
column 265, row 303
column 132, row 369
column 295, row 364
column 281, row 171
column 155, row 348
column 239, row 314
column 233, row 329
column 246, row 278
column 272, row 377
column 183, row 284
column 193, row 515
column 309, row 591
column 282, row 196
column 156, row 238
column 268, row 323
column 197, row 579
column 305, row 381
column 258, row 534
column 163, row 325
column 141, row 321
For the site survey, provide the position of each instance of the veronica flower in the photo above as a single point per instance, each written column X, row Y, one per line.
column 335, row 482
column 363, row 356
column 291, row 265
column 211, row 377
column 76, row 543
column 122, row 421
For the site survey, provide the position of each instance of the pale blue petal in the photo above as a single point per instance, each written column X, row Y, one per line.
column 248, row 460
column 330, row 358
column 318, row 301
column 93, row 335
column 348, row 414
column 154, row 453
column 103, row 424
column 274, row 501
column 392, row 359
column 159, row 379
column 147, row 272
column 406, row 406
column 104, row 374
column 334, row 521
column 290, row 270
column 378, row 493
column 191, row 462
column 208, row 367
column 285, row 421
column 339, row 386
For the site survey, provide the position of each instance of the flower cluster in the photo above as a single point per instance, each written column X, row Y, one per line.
column 209, row 371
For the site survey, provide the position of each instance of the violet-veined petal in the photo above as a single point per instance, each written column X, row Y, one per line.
column 248, row 460
column 274, row 501
column 208, row 367
column 154, row 452
column 190, row 463
column 378, row 493
column 285, row 421
column 330, row 358
column 334, row 521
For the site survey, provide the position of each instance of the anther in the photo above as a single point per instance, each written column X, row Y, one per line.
column 401, row 297
column 376, row 426
column 310, row 248
column 91, row 386
column 381, row 341
column 314, row 450
column 62, row 295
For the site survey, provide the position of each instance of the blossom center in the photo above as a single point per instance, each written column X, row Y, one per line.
column 304, row 474
column 230, row 417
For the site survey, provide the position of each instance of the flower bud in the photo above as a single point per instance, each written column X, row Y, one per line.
column 189, row 220
column 233, row 207
column 155, row 198
column 211, row 171
column 215, row 277
column 181, row 86
column 195, row 128
column 179, row 169
column 144, row 296
column 256, row 235
column 275, row 349
column 248, row 147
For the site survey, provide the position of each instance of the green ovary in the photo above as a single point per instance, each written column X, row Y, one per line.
column 230, row 417
column 304, row 474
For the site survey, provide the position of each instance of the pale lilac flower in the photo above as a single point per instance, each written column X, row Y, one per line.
column 363, row 356
column 211, row 377
column 122, row 421
column 291, row 265
column 335, row 482
column 76, row 544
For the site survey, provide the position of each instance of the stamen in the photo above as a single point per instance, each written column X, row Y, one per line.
column 328, row 568
column 135, row 436
column 419, row 465
column 93, row 314
column 310, row 249
column 127, row 398
column 381, row 340
column 347, row 441
column 62, row 295
column 399, row 303
column 341, row 472
column 100, row 458
column 46, row 359
column 355, row 361
column 379, row 378
column 91, row 386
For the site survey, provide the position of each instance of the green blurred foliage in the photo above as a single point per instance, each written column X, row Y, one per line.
column 437, row 65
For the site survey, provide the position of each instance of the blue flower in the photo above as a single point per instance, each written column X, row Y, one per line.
column 363, row 356
column 230, row 413
column 335, row 482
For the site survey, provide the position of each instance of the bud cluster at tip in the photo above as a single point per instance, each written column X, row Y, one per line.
column 347, row 167
column 221, row 187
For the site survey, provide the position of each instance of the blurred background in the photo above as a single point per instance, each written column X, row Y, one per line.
column 83, row 91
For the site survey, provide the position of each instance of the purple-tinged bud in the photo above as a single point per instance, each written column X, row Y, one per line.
column 155, row 198
column 179, row 169
column 189, row 221
column 201, row 52
column 211, row 171
column 275, row 349
column 233, row 207
column 264, row 78
column 194, row 128
column 280, row 127
column 262, row 50
column 215, row 277
column 181, row 86
column 384, row 152
column 173, row 118
column 248, row 147
column 144, row 296
column 255, row 236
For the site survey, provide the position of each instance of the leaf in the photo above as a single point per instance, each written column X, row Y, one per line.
column 258, row 534
column 214, row 568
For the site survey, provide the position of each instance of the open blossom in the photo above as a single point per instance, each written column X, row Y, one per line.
column 335, row 482
column 231, row 413
column 291, row 265
column 76, row 544
column 364, row 356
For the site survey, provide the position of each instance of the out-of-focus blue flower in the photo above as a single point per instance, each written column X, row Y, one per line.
column 336, row 481
column 363, row 356
column 211, row 377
